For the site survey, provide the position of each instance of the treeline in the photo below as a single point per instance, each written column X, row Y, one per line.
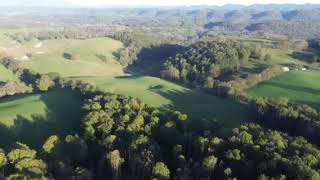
column 65, row 33
column 294, row 119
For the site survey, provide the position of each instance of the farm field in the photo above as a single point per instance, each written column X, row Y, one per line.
column 297, row 86
column 32, row 118
column 161, row 93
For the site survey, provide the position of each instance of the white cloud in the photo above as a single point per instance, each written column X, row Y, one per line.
column 184, row 2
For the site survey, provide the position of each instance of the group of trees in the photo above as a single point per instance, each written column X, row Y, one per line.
column 11, row 88
column 29, row 81
column 203, row 62
column 206, row 64
column 294, row 119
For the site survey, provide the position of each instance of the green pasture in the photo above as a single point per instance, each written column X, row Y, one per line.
column 32, row 118
column 297, row 86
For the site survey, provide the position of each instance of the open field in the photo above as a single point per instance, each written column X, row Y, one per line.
column 88, row 64
column 298, row 86
column 278, row 57
column 32, row 118
column 7, row 75
column 94, row 57
column 161, row 93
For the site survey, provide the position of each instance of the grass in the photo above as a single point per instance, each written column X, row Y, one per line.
column 7, row 75
column 32, row 118
column 297, row 86
column 278, row 57
column 160, row 93
column 88, row 63
column 49, row 57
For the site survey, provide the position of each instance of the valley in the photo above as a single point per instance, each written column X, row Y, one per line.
column 162, row 93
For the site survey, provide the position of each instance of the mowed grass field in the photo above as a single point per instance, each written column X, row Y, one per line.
column 160, row 93
column 32, row 118
column 297, row 86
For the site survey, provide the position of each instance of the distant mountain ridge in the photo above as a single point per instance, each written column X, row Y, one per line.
column 302, row 21
column 258, row 7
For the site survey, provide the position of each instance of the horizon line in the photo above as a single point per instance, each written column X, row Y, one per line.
column 142, row 5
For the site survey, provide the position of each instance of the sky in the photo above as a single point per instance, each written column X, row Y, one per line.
column 185, row 2
column 147, row 2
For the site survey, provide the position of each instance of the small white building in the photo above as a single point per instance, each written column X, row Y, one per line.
column 303, row 69
column 285, row 69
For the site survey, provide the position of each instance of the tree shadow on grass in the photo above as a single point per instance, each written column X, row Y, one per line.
column 133, row 76
column 304, row 56
column 258, row 68
column 199, row 106
column 294, row 88
column 62, row 117
column 149, row 60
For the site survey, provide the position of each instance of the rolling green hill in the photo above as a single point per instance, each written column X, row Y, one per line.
column 87, row 63
column 298, row 86
column 93, row 57
column 32, row 118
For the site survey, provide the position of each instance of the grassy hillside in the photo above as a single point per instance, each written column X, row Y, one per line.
column 87, row 62
column 298, row 86
column 161, row 93
column 7, row 75
column 32, row 118
column 94, row 57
